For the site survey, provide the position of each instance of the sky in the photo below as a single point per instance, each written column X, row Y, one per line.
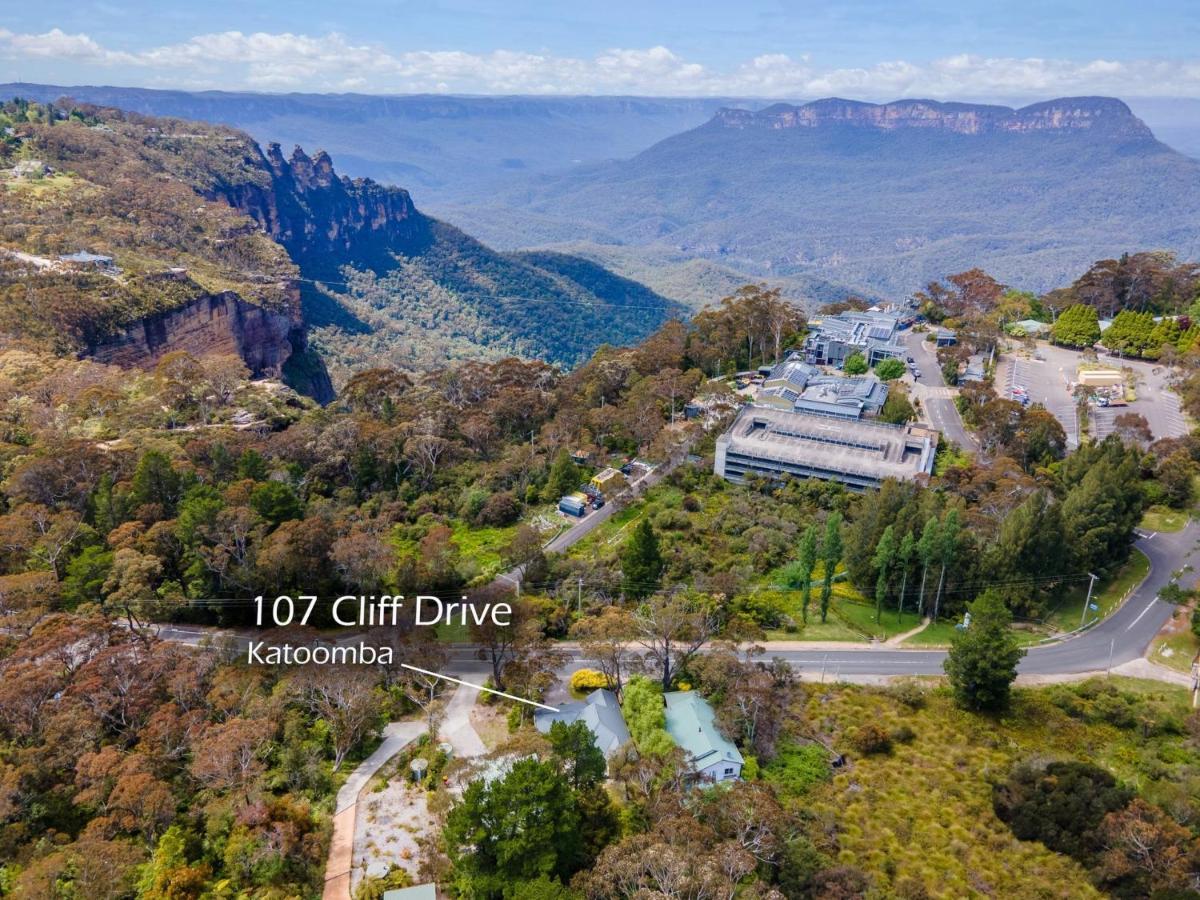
column 866, row 49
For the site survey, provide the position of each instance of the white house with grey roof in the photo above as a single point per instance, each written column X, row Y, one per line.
column 692, row 724
column 600, row 712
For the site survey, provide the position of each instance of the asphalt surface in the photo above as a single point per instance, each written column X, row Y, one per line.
column 1123, row 636
column 1047, row 376
column 936, row 399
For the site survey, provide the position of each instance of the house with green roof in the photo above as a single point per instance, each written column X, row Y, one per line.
column 691, row 722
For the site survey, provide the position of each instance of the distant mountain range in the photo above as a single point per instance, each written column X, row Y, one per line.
column 881, row 198
column 692, row 197
column 444, row 148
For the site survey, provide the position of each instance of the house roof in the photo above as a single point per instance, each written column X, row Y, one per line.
column 600, row 712
column 419, row 892
column 84, row 257
column 1032, row 326
column 691, row 722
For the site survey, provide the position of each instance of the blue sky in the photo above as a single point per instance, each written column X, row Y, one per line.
column 869, row 49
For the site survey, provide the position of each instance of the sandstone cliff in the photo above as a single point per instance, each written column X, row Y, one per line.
column 1067, row 114
column 325, row 220
column 222, row 323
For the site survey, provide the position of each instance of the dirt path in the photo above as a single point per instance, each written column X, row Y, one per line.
column 896, row 639
column 396, row 735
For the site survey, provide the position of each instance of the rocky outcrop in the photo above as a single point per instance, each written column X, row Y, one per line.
column 1068, row 114
column 324, row 219
column 216, row 324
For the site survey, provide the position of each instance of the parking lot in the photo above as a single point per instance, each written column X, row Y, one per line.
column 1039, row 379
column 1047, row 375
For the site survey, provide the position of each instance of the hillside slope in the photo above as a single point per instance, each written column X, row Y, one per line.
column 885, row 197
column 385, row 283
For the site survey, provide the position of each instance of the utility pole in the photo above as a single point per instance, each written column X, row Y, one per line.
column 579, row 595
column 1111, row 646
column 1088, row 602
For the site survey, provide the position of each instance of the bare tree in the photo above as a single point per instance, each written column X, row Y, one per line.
column 604, row 639
column 672, row 629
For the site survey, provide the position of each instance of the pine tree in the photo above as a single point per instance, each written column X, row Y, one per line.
column 806, row 563
column 983, row 658
column 641, row 562
column 831, row 555
column 564, row 476
column 885, row 558
column 947, row 549
column 904, row 556
column 1078, row 326
column 926, row 550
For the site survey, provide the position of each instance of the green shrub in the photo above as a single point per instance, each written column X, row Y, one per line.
column 909, row 692
column 855, row 364
column 889, row 369
column 647, row 717
column 904, row 735
column 796, row 768
column 1061, row 805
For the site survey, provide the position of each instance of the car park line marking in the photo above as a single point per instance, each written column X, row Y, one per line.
column 1142, row 613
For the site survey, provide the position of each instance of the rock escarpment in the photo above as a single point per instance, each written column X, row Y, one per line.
column 325, row 220
column 1066, row 114
column 213, row 323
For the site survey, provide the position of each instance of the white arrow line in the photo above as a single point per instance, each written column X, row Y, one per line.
column 479, row 687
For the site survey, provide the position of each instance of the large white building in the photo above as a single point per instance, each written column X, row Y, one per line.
column 777, row 443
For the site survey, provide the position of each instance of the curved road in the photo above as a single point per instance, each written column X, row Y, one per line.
column 1122, row 637
column 1125, row 634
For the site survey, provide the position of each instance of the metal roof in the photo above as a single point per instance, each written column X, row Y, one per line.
column 600, row 712
column 691, row 722
column 420, row 892
column 858, row 447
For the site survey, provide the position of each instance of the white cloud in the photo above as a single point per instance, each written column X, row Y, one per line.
column 285, row 61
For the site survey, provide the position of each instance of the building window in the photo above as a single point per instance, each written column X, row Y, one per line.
column 729, row 770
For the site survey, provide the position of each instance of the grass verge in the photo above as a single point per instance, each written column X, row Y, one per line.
column 1163, row 518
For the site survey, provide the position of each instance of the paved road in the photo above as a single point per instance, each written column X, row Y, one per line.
column 1122, row 637
column 592, row 520
column 1125, row 634
column 937, row 400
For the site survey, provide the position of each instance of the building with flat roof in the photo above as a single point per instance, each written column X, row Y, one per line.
column 600, row 712
column 777, row 443
column 692, row 724
column 873, row 334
